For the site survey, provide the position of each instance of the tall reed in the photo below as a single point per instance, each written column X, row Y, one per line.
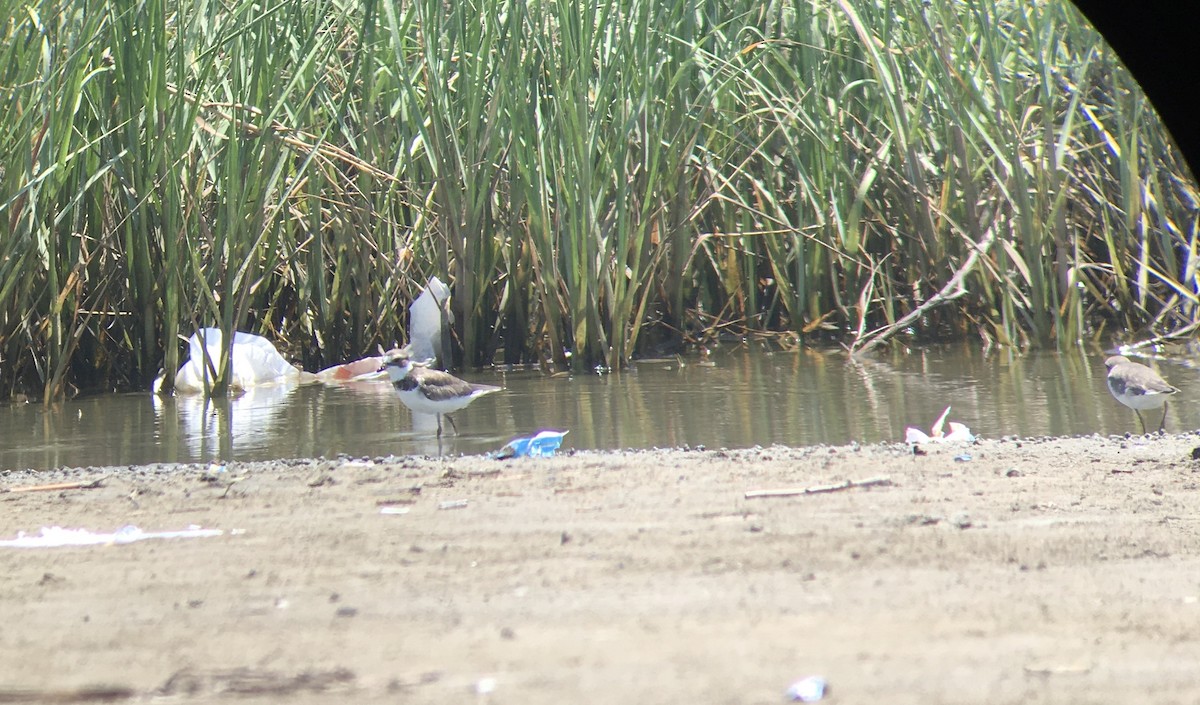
column 582, row 173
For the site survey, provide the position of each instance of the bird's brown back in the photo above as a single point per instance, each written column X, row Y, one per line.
column 439, row 386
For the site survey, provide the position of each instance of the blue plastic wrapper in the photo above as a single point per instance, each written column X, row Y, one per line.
column 540, row 445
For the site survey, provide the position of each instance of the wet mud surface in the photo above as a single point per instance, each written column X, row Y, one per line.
column 1037, row 570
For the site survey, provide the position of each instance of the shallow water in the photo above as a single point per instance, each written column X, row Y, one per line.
column 732, row 399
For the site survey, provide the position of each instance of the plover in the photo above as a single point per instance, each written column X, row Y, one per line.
column 429, row 391
column 1138, row 387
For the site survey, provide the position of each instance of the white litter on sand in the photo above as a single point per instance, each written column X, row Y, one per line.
column 807, row 690
column 958, row 432
column 56, row 536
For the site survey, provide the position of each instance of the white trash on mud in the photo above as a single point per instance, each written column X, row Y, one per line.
column 56, row 537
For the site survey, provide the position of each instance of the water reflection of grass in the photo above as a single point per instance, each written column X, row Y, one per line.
column 590, row 176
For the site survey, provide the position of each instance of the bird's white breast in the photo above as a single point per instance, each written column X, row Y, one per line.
column 1145, row 400
column 416, row 400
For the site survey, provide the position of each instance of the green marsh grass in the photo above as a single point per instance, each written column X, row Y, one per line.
column 595, row 180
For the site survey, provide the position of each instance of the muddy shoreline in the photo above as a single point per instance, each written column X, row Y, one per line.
column 1061, row 570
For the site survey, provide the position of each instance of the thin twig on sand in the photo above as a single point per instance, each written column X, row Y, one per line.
column 78, row 485
column 821, row 489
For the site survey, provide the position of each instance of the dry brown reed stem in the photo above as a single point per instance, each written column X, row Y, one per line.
column 288, row 135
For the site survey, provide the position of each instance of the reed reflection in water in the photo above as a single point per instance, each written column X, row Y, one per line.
column 733, row 399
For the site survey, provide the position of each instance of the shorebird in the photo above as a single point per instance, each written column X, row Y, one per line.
column 428, row 391
column 1138, row 387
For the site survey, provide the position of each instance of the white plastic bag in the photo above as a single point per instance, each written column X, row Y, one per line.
column 958, row 432
column 253, row 361
column 428, row 315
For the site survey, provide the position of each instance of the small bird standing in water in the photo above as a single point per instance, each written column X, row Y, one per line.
column 428, row 391
column 1138, row 387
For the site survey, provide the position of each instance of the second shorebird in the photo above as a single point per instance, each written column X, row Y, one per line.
column 1138, row 387
column 428, row 391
